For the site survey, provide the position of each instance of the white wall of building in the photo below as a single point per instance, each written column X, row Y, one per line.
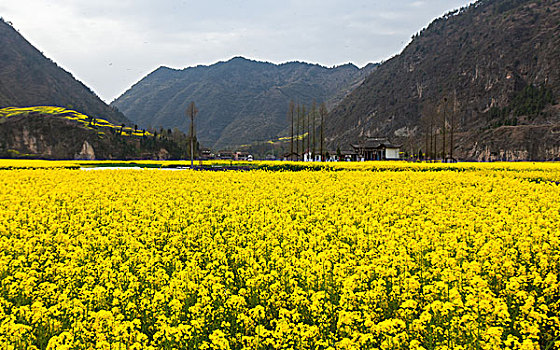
column 392, row 153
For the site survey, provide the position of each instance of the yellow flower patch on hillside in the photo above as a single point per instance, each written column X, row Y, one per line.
column 89, row 121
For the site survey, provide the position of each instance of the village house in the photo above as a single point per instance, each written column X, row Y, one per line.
column 243, row 156
column 378, row 148
column 292, row 156
column 225, row 155
column 373, row 148
column 206, row 154
column 233, row 155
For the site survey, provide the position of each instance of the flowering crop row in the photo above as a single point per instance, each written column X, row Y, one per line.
column 519, row 168
column 141, row 259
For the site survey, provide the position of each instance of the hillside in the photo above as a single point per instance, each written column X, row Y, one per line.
column 58, row 133
column 28, row 78
column 240, row 101
column 491, row 71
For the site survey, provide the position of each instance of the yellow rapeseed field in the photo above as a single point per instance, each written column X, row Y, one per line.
column 54, row 111
column 354, row 256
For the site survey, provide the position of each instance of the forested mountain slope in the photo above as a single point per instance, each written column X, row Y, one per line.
column 28, row 78
column 240, row 101
column 488, row 74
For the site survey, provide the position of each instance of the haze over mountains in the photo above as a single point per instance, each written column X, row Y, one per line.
column 28, row 78
column 499, row 60
column 241, row 101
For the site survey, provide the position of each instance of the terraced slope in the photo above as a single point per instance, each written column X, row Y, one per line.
column 28, row 78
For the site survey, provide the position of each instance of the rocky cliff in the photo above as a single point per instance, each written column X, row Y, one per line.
column 37, row 135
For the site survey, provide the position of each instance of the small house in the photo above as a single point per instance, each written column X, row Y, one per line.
column 376, row 149
column 243, row 156
column 226, row 155
column 206, row 154
column 292, row 156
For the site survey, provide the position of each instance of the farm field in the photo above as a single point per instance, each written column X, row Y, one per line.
column 85, row 120
column 342, row 256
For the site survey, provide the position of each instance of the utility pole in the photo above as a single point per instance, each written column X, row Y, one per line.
column 191, row 112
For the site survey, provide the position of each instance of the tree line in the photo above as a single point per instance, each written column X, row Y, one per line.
column 439, row 121
column 307, row 126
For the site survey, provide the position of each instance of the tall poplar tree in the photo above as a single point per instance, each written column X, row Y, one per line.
column 322, row 113
column 308, row 132
column 297, row 130
column 444, row 128
column 451, row 141
column 313, row 129
column 291, row 114
column 303, row 131
column 192, row 111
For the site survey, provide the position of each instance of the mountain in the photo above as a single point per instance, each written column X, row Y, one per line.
column 489, row 72
column 240, row 101
column 57, row 133
column 28, row 78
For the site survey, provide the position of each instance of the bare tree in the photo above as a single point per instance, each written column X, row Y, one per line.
column 313, row 128
column 434, row 140
column 323, row 113
column 308, row 132
column 444, row 127
column 192, row 112
column 297, row 130
column 291, row 114
column 455, row 107
column 303, row 115
column 428, row 122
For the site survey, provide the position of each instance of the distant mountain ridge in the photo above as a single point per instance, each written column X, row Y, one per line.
column 28, row 78
column 240, row 101
column 492, row 69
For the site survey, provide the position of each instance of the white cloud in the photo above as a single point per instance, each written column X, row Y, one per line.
column 110, row 45
column 418, row 4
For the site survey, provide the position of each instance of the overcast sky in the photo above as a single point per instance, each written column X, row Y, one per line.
column 111, row 44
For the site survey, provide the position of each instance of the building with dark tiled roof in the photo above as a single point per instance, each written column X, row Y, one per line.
column 376, row 148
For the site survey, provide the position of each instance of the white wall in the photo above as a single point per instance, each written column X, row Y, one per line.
column 392, row 153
